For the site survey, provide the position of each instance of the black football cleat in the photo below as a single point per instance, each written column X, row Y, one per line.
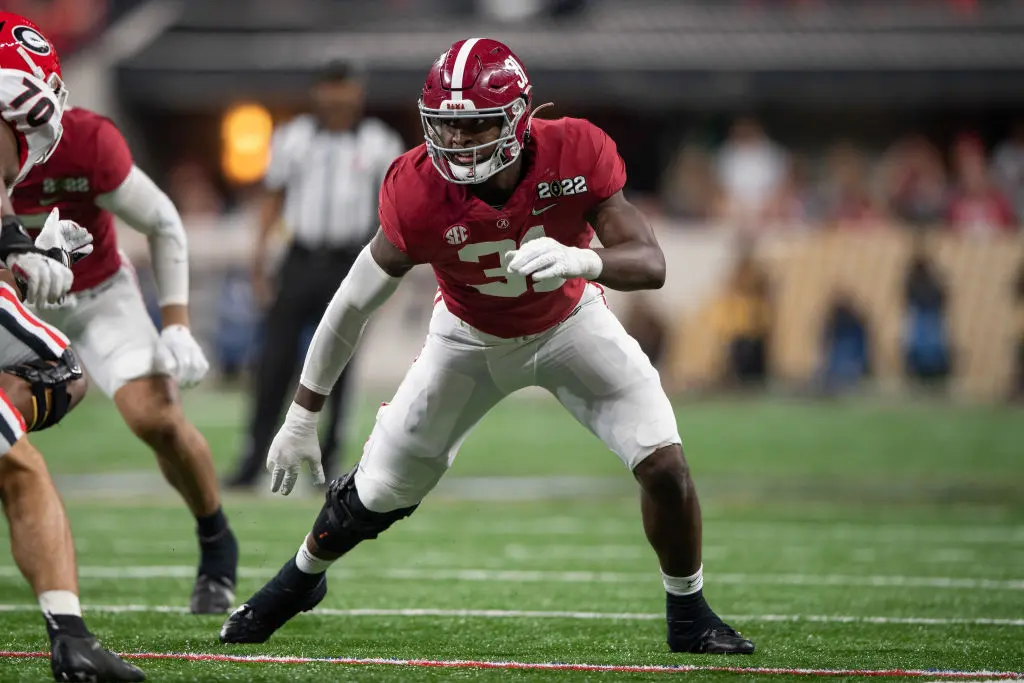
column 82, row 658
column 710, row 636
column 268, row 610
column 212, row 595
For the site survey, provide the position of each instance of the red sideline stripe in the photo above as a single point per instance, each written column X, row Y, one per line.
column 555, row 666
column 17, row 413
column 9, row 295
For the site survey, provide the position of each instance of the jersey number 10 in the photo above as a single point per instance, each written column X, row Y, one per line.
column 511, row 284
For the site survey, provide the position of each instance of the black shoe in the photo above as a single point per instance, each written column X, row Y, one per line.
column 82, row 658
column 269, row 609
column 212, row 595
column 709, row 636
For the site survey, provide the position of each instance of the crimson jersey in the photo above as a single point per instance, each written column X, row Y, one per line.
column 92, row 159
column 569, row 166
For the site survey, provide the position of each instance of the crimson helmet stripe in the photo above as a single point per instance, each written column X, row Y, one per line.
column 459, row 70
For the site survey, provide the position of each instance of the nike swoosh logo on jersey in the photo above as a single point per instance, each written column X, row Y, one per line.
column 46, row 201
column 537, row 212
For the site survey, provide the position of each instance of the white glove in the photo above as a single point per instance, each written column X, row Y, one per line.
column 44, row 281
column 68, row 236
column 295, row 443
column 48, row 276
column 545, row 258
column 191, row 361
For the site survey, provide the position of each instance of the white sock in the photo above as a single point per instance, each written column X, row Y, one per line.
column 308, row 563
column 60, row 602
column 686, row 585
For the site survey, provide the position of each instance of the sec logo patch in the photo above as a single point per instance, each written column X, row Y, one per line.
column 457, row 234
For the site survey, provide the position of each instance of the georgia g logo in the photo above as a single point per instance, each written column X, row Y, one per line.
column 31, row 40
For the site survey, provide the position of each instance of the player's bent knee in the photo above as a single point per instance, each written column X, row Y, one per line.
column 150, row 408
column 157, row 428
column 55, row 387
column 345, row 521
column 664, row 469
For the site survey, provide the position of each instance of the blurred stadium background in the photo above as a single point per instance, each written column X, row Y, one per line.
column 839, row 189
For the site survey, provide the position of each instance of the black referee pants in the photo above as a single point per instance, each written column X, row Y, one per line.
column 307, row 281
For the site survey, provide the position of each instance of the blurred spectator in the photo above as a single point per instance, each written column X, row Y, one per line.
column 913, row 182
column 926, row 352
column 688, row 189
column 750, row 170
column 1008, row 167
column 192, row 190
column 847, row 355
column 742, row 320
column 793, row 204
column 977, row 205
column 847, row 199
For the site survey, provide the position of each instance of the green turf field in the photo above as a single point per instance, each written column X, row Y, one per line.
column 839, row 536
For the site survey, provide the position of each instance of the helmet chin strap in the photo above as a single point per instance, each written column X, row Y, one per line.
column 529, row 120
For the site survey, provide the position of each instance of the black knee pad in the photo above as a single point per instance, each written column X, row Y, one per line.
column 344, row 521
column 49, row 385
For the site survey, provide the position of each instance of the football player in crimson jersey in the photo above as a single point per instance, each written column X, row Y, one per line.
column 91, row 178
column 503, row 208
column 34, row 358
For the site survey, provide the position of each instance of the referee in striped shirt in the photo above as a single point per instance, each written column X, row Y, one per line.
column 325, row 171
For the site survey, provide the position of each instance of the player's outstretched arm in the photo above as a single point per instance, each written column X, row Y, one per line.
column 371, row 281
column 630, row 255
column 146, row 208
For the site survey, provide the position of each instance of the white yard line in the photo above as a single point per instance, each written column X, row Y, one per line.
column 591, row 616
column 138, row 572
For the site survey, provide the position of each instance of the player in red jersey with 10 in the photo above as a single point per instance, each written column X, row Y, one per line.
column 503, row 207
column 91, row 178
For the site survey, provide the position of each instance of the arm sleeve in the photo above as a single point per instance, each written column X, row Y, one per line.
column 608, row 174
column 363, row 291
column 279, row 167
column 145, row 207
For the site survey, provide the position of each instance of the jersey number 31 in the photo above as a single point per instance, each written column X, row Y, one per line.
column 511, row 284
